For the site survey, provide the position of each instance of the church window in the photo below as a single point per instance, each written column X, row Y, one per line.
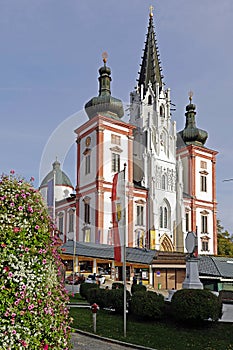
column 61, row 222
column 162, row 111
column 165, row 218
column 140, row 239
column 87, row 164
column 187, row 222
column 87, row 235
column 71, row 221
column 140, row 214
column 161, row 217
column 205, row 244
column 163, row 182
column 204, row 224
column 149, row 100
column 203, row 164
column 115, row 139
column 86, row 212
column 115, row 162
column 203, row 183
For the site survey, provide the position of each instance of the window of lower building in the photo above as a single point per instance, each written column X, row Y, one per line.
column 140, row 214
column 71, row 221
column 61, row 222
column 87, row 235
column 203, row 183
column 204, row 245
column 204, row 224
column 87, row 213
column 115, row 162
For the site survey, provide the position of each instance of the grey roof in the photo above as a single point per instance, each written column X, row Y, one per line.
column 105, row 251
column 216, row 266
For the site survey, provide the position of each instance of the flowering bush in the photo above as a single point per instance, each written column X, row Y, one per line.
column 32, row 297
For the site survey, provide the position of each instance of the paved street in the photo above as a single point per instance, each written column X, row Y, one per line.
column 83, row 342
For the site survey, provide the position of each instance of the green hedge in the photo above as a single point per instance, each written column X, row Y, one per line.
column 102, row 297
column 85, row 287
column 147, row 305
column 195, row 305
column 138, row 288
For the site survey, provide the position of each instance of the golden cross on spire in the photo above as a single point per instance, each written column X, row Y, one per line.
column 190, row 96
column 105, row 56
column 151, row 10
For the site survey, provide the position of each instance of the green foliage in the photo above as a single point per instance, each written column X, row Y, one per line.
column 195, row 305
column 117, row 285
column 138, row 288
column 99, row 296
column 147, row 305
column 85, row 287
column 225, row 241
column 116, row 299
column 32, row 295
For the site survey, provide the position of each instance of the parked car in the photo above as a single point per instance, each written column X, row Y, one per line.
column 95, row 278
column 75, row 278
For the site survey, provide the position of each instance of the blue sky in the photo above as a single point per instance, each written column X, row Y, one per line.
column 50, row 52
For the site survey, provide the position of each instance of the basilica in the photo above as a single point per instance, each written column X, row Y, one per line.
column 170, row 175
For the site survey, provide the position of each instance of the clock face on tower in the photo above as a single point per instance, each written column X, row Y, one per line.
column 88, row 141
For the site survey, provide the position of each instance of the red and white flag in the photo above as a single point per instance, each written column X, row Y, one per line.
column 118, row 215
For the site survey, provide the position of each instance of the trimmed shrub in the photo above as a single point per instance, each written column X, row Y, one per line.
column 147, row 305
column 85, row 287
column 99, row 296
column 116, row 299
column 138, row 288
column 117, row 285
column 33, row 299
column 195, row 305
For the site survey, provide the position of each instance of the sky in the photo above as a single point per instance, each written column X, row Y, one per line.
column 50, row 53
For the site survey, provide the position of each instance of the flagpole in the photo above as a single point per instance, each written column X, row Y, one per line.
column 124, row 256
column 54, row 203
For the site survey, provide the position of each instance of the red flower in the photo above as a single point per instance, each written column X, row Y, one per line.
column 12, row 171
column 45, row 347
column 16, row 229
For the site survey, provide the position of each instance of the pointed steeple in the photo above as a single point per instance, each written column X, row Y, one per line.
column 191, row 134
column 150, row 67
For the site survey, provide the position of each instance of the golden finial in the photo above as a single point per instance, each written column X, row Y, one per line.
column 151, row 10
column 190, row 96
column 104, row 56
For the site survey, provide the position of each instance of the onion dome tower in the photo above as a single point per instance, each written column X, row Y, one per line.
column 105, row 104
column 191, row 135
column 63, row 185
column 150, row 67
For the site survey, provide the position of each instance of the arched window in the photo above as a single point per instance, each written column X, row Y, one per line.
column 161, row 217
column 163, row 182
column 162, row 111
column 149, row 100
column 165, row 217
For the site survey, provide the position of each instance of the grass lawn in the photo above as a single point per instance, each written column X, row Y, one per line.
column 157, row 335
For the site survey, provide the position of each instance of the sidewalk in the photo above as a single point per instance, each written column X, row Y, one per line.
column 86, row 341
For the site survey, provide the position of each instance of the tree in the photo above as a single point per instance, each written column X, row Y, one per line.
column 225, row 241
column 32, row 294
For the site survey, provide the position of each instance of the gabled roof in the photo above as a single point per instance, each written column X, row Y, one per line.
column 105, row 251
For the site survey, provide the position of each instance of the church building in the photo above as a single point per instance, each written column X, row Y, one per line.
column 170, row 176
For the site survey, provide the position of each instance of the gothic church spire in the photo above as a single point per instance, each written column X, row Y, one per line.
column 150, row 66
